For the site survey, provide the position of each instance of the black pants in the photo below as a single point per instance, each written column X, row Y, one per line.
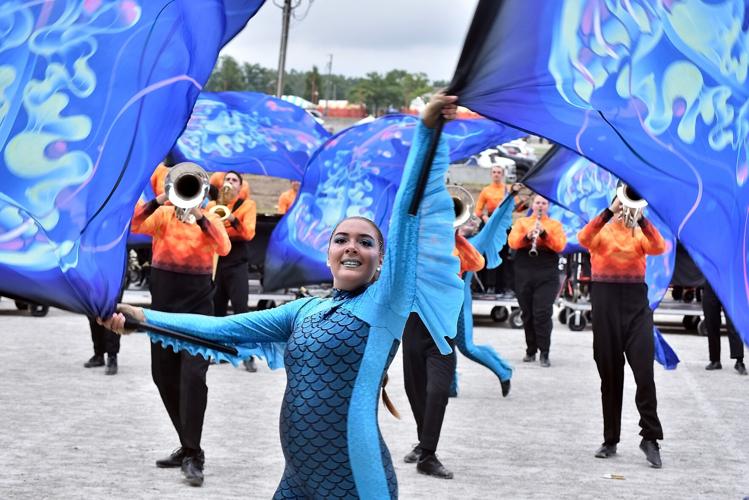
column 623, row 324
column 711, row 306
column 427, row 374
column 105, row 341
column 181, row 377
column 536, row 289
column 232, row 283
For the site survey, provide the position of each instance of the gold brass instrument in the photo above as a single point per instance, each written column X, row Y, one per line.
column 462, row 203
column 533, row 252
column 221, row 210
column 186, row 185
column 632, row 204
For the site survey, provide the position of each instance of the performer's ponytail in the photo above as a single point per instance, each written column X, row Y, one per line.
column 385, row 399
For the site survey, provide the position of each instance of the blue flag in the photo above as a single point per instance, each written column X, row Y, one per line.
column 93, row 94
column 357, row 172
column 653, row 91
column 251, row 133
column 579, row 190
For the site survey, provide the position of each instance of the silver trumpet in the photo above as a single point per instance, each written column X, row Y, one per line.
column 632, row 204
column 186, row 185
column 462, row 203
column 533, row 252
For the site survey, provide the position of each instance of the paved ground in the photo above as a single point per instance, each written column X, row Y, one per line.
column 68, row 432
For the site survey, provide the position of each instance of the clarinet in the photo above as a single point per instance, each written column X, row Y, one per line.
column 533, row 252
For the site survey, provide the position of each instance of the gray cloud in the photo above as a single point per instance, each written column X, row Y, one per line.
column 363, row 35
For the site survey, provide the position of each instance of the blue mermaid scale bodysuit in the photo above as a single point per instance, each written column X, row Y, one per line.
column 336, row 350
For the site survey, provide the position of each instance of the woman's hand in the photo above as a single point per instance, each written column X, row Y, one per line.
column 116, row 322
column 439, row 104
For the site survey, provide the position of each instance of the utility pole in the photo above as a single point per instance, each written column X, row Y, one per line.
column 284, row 41
column 330, row 82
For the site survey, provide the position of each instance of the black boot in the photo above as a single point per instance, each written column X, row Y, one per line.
column 192, row 468
column 413, row 456
column 430, row 465
column 172, row 461
column 606, row 451
column 543, row 360
column 505, row 387
column 95, row 361
column 739, row 367
column 111, row 368
column 714, row 365
column 529, row 358
column 652, row 452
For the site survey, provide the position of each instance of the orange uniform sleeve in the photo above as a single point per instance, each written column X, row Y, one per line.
column 214, row 228
column 553, row 236
column 517, row 238
column 284, row 202
column 148, row 219
column 157, row 179
column 480, row 203
column 470, row 258
column 651, row 241
column 588, row 236
column 245, row 220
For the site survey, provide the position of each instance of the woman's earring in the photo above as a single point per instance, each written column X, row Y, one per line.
column 379, row 268
column 327, row 263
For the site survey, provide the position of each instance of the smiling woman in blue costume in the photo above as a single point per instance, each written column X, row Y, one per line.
column 336, row 351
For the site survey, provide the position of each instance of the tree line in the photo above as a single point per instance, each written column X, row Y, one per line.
column 379, row 92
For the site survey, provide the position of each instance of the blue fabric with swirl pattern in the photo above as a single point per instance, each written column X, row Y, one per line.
column 357, row 172
column 336, row 350
column 656, row 92
column 251, row 133
column 93, row 94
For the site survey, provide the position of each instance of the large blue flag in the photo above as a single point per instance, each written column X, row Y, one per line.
column 654, row 91
column 580, row 190
column 250, row 133
column 93, row 94
column 357, row 172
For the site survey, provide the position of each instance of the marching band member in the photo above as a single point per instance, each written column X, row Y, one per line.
column 711, row 307
column 538, row 240
column 428, row 375
column 181, row 281
column 491, row 196
column 232, row 272
column 286, row 199
column 623, row 322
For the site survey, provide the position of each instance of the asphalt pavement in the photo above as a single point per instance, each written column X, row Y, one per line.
column 70, row 432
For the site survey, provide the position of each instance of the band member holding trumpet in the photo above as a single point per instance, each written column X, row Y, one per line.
column 185, row 238
column 619, row 239
column 538, row 240
column 286, row 199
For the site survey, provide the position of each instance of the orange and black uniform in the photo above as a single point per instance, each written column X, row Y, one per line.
column 232, row 273
column 181, row 282
column 427, row 373
column 501, row 278
column 537, row 278
column 490, row 198
column 622, row 319
column 285, row 200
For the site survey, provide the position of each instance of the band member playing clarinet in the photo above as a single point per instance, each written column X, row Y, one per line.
column 538, row 241
column 623, row 321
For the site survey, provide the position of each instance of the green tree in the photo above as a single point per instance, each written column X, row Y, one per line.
column 259, row 79
column 227, row 75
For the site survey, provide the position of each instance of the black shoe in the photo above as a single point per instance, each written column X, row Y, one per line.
column 739, row 367
column 529, row 358
column 413, row 456
column 714, row 365
column 172, row 461
column 505, row 387
column 544, row 360
column 652, row 452
column 249, row 364
column 431, row 466
column 111, row 368
column 606, row 451
column 192, row 468
column 95, row 361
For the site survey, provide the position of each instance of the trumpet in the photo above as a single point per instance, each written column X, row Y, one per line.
column 533, row 252
column 462, row 203
column 186, row 185
column 632, row 204
column 221, row 210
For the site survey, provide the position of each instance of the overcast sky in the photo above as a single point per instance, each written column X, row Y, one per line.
column 363, row 35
